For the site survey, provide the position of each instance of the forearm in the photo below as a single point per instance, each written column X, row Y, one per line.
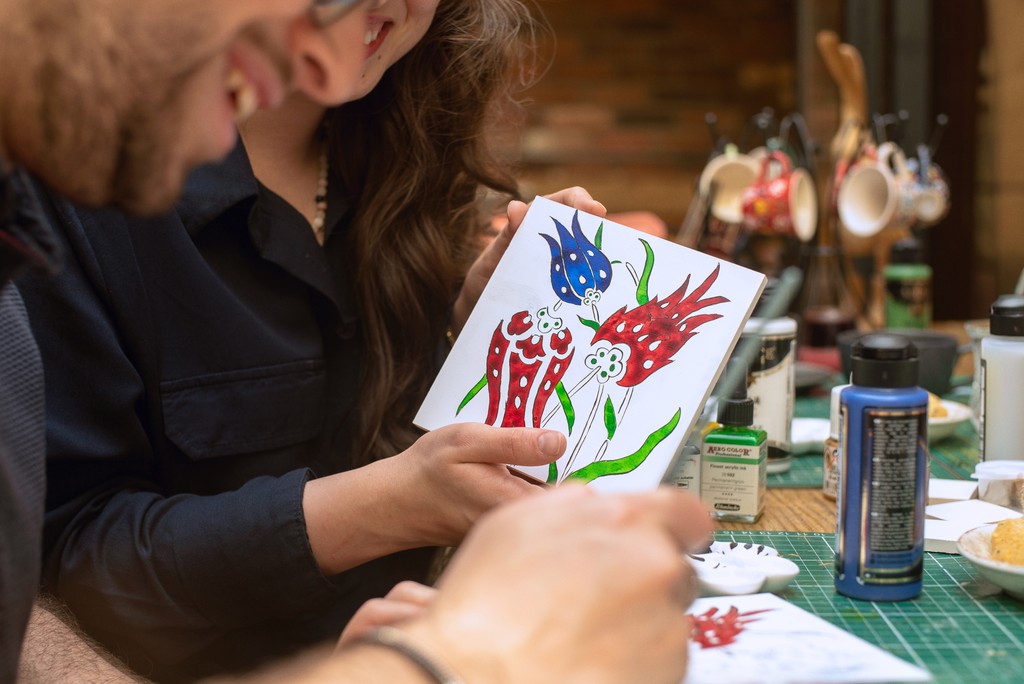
column 360, row 515
column 56, row 650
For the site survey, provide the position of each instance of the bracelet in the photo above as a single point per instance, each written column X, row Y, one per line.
column 398, row 641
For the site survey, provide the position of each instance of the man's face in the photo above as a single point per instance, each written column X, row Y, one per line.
column 115, row 100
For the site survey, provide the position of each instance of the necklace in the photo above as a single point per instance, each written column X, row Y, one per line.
column 321, row 196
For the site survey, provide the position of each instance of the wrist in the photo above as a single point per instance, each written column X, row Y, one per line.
column 465, row 652
column 424, row 660
column 346, row 523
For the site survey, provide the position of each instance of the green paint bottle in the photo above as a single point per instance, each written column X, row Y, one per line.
column 734, row 460
column 908, row 287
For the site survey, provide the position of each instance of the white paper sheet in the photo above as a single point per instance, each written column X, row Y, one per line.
column 772, row 641
column 973, row 511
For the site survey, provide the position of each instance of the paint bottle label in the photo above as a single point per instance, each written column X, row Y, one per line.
column 772, row 385
column 879, row 539
column 831, row 468
column 908, row 302
column 733, row 479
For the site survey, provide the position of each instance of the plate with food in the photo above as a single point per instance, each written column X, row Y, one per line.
column 944, row 417
column 997, row 553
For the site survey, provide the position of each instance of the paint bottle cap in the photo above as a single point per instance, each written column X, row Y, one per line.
column 907, row 251
column 884, row 360
column 1007, row 317
column 737, row 408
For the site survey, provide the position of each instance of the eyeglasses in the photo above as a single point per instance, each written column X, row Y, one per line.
column 325, row 12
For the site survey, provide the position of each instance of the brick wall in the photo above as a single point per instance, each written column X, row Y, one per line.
column 621, row 109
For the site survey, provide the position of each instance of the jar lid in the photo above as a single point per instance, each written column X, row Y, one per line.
column 884, row 360
column 907, row 251
column 1007, row 317
column 998, row 470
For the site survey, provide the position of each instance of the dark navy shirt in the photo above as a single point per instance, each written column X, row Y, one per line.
column 24, row 242
column 201, row 367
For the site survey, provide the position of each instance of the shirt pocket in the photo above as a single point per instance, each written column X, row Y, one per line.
column 251, row 410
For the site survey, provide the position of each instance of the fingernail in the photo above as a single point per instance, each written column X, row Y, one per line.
column 551, row 443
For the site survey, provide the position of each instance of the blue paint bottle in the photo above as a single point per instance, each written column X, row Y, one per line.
column 883, row 476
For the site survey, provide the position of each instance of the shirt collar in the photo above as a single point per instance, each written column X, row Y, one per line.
column 214, row 188
column 278, row 231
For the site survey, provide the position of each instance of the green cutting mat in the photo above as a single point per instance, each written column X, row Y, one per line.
column 953, row 458
column 961, row 628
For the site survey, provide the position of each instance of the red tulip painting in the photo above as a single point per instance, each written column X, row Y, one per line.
column 655, row 331
column 537, row 351
column 534, row 359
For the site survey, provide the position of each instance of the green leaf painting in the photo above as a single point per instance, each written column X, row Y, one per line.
column 592, row 471
column 642, row 296
column 472, row 393
column 566, row 401
column 593, row 325
column 609, row 417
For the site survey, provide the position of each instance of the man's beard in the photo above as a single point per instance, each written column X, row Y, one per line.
column 109, row 120
column 147, row 178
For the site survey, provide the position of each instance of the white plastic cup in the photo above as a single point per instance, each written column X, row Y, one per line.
column 1000, row 482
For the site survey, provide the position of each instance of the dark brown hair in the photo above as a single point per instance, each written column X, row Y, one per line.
column 414, row 156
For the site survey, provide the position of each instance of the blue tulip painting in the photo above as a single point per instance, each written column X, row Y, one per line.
column 580, row 271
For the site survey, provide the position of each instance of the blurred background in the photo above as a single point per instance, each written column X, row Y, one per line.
column 623, row 109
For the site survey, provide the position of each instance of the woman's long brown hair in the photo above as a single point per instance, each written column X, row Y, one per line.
column 414, row 156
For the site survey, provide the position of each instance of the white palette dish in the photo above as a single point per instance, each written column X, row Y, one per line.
column 733, row 568
column 942, row 427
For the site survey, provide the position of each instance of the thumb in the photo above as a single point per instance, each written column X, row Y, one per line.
column 516, row 213
column 529, row 446
column 514, row 446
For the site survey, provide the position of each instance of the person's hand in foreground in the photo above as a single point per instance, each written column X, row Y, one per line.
column 405, row 601
column 482, row 269
column 570, row 586
column 428, row 495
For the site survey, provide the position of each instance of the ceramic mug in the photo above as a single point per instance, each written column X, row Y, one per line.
column 782, row 200
column 932, row 189
column 878, row 192
column 723, row 181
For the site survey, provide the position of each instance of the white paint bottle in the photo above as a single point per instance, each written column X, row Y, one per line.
column 1001, row 434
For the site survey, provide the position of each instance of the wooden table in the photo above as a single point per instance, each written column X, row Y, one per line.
column 792, row 510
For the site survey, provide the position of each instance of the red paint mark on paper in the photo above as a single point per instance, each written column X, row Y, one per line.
column 712, row 630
